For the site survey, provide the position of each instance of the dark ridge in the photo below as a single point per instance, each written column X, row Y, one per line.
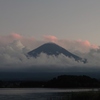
column 73, row 81
column 63, row 81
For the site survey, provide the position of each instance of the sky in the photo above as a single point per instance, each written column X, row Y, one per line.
column 27, row 24
column 64, row 19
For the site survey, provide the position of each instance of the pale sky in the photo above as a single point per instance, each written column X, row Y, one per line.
column 65, row 19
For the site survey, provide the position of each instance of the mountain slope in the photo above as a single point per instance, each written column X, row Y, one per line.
column 53, row 49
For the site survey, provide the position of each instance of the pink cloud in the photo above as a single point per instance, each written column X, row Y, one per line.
column 31, row 42
column 50, row 38
column 6, row 39
column 76, row 45
column 15, row 36
column 85, row 43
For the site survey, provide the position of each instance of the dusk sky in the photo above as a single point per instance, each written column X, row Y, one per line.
column 64, row 19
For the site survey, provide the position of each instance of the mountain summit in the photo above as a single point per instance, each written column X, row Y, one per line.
column 54, row 49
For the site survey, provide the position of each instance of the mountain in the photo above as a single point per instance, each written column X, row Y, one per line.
column 54, row 49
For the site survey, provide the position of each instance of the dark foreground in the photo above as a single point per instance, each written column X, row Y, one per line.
column 63, row 81
column 92, row 95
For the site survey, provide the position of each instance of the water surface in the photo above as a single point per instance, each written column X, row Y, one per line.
column 38, row 93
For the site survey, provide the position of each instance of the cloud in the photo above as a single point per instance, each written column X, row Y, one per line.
column 14, row 48
column 50, row 38
column 77, row 45
column 6, row 39
column 31, row 42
